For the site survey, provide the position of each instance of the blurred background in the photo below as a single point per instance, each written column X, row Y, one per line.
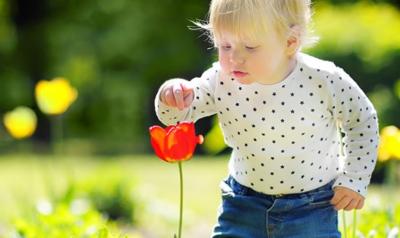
column 88, row 170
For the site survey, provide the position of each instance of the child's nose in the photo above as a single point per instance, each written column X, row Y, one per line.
column 237, row 58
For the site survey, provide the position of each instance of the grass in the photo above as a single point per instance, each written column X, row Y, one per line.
column 26, row 179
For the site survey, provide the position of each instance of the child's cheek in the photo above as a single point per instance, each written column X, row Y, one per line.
column 224, row 62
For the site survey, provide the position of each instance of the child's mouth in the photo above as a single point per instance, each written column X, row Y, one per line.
column 239, row 74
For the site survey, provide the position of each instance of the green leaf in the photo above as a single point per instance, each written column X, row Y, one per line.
column 397, row 88
column 214, row 140
column 103, row 233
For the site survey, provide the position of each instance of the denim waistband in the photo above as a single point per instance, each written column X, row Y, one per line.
column 244, row 190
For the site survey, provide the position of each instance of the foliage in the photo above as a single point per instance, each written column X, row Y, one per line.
column 214, row 141
column 110, row 194
column 97, row 202
column 114, row 53
column 77, row 219
column 379, row 23
column 377, row 222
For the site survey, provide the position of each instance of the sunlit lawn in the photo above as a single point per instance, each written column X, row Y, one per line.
column 26, row 179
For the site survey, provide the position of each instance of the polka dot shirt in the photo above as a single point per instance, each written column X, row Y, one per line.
column 285, row 137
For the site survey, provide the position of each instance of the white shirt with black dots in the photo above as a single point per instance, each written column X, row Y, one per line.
column 285, row 136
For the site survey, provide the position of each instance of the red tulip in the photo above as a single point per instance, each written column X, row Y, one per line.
column 175, row 143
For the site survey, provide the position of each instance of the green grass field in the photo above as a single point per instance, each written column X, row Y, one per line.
column 27, row 179
column 24, row 180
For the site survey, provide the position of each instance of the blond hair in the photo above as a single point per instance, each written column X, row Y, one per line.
column 255, row 18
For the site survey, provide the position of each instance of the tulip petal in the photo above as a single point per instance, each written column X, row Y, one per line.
column 177, row 145
column 175, row 142
column 189, row 130
column 20, row 122
column 168, row 128
column 157, row 139
column 55, row 96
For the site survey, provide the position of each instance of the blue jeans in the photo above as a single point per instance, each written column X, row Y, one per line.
column 245, row 213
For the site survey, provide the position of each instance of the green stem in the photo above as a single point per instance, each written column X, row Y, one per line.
column 390, row 173
column 56, row 133
column 344, row 224
column 354, row 222
column 181, row 199
column 20, row 146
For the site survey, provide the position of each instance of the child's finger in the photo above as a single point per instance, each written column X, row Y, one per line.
column 162, row 96
column 186, row 87
column 169, row 97
column 336, row 198
column 178, row 94
column 162, row 99
column 360, row 204
column 343, row 203
column 352, row 205
column 188, row 93
column 188, row 99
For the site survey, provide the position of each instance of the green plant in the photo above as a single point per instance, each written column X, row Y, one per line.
column 108, row 192
column 374, row 223
column 77, row 219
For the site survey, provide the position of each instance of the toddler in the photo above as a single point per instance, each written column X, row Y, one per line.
column 280, row 111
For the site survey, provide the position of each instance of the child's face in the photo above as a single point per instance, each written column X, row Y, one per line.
column 249, row 61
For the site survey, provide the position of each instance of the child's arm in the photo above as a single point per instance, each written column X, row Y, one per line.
column 181, row 100
column 358, row 120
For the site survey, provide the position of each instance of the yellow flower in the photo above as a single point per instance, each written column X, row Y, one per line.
column 55, row 96
column 21, row 122
column 389, row 147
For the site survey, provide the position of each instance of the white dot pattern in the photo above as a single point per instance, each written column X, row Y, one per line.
column 284, row 137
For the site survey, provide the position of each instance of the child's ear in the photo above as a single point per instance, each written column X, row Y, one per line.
column 293, row 40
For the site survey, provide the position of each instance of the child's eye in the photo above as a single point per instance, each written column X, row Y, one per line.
column 226, row 47
column 251, row 48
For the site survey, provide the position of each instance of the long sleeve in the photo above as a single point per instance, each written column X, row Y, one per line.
column 357, row 118
column 203, row 103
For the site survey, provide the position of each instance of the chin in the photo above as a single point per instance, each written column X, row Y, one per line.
column 244, row 81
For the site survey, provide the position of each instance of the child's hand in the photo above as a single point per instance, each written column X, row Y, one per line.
column 179, row 93
column 347, row 199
